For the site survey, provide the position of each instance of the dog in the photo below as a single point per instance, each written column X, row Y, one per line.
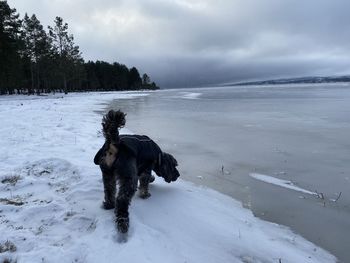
column 127, row 159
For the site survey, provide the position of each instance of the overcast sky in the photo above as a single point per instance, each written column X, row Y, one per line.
column 184, row 43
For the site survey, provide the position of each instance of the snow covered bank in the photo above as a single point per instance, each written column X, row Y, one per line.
column 50, row 197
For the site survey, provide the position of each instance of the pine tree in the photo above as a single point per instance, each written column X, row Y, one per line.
column 66, row 52
column 134, row 79
column 36, row 49
column 10, row 49
column 145, row 80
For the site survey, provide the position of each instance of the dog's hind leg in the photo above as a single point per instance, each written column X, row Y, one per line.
column 109, row 183
column 127, row 181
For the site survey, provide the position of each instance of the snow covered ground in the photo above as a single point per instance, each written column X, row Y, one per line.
column 51, row 194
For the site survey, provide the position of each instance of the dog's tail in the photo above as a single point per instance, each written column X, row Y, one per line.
column 111, row 123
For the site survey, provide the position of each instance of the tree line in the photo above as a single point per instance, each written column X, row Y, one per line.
column 35, row 60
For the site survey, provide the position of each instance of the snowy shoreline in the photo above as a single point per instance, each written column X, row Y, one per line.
column 47, row 146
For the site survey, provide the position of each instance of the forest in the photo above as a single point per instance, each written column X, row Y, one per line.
column 35, row 60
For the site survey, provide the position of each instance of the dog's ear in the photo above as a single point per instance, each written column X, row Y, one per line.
column 167, row 168
column 98, row 156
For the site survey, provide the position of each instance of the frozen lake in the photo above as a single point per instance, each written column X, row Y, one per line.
column 51, row 194
column 298, row 134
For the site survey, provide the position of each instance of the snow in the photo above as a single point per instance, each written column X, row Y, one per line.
column 51, row 195
column 191, row 95
column 280, row 182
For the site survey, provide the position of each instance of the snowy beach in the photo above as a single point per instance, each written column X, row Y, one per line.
column 51, row 195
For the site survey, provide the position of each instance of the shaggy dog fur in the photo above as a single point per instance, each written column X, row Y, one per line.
column 127, row 159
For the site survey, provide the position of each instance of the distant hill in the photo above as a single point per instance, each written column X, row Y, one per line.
column 295, row 81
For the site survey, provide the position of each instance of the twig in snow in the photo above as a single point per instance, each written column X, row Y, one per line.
column 8, row 246
column 11, row 179
column 223, row 170
column 319, row 195
column 11, row 201
column 338, row 197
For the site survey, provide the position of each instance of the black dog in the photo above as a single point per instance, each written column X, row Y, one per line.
column 127, row 159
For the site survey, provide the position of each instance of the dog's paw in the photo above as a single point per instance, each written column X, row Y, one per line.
column 122, row 237
column 108, row 205
column 144, row 194
column 122, row 224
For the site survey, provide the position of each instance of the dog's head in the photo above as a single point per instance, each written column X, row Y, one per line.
column 166, row 168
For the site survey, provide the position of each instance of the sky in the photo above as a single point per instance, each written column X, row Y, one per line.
column 186, row 43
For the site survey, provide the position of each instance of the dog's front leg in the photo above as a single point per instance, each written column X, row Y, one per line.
column 109, row 183
column 127, row 181
column 145, row 179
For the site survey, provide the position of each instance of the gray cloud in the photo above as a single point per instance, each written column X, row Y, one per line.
column 191, row 42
